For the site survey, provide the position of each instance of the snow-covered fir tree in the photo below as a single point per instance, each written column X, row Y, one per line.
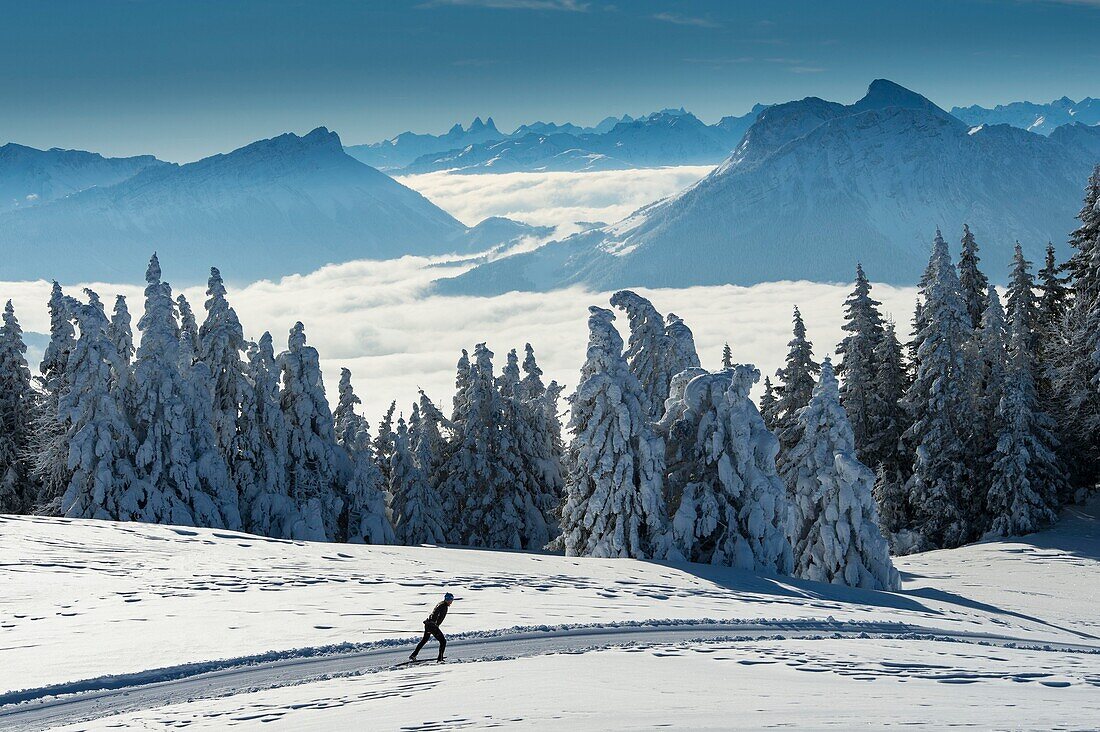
column 121, row 331
column 727, row 356
column 366, row 518
column 993, row 361
column 177, row 456
column 769, row 403
column 1025, row 475
column 479, row 480
column 1020, row 296
column 973, row 284
column 834, row 523
column 863, row 326
column 267, row 508
column 50, row 462
column 221, row 338
column 313, row 457
column 544, row 449
column 730, row 507
column 99, row 440
column 1077, row 376
column 348, row 424
column 429, row 446
column 647, row 348
column 794, row 388
column 187, row 324
column 614, row 504
column 680, row 352
column 382, row 444
column 940, row 399
column 1051, row 312
column 18, row 404
column 417, row 510
column 888, row 418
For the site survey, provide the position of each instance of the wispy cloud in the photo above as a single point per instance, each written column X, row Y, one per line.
column 574, row 6
column 806, row 69
column 794, row 65
column 679, row 19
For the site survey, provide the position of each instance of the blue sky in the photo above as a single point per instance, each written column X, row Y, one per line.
column 183, row 79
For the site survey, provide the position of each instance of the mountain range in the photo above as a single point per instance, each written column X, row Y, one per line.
column 275, row 207
column 667, row 137
column 1041, row 118
column 816, row 186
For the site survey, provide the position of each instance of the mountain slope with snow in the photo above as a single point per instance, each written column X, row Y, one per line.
column 817, row 186
column 1041, row 118
column 279, row 206
column 30, row 177
column 408, row 146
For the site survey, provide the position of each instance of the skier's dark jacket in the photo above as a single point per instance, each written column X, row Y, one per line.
column 437, row 616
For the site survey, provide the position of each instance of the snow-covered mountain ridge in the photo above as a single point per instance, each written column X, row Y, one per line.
column 1041, row 118
column 817, row 186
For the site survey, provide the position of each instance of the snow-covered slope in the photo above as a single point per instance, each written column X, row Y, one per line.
column 275, row 207
column 1041, row 118
column 973, row 631
column 816, row 186
column 669, row 137
column 29, row 177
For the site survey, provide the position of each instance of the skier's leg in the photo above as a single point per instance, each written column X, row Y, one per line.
column 442, row 640
column 427, row 635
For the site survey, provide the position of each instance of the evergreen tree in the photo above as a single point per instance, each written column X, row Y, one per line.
column 893, row 506
column 1020, row 295
column 98, row 437
column 417, row 511
column 120, row 331
column 187, row 480
column 1026, row 476
column 544, row 447
column 17, row 411
column 188, row 325
column 769, row 403
column 727, row 356
column 383, row 441
column 864, row 328
column 680, row 352
column 50, row 463
column 267, row 508
column 993, row 358
column 348, row 424
column 834, row 527
column 647, row 349
column 614, row 502
column 887, row 417
column 940, row 400
column 731, row 506
column 222, row 342
column 972, row 283
column 797, row 385
column 368, row 516
column 1051, row 312
column 313, row 458
column 429, row 447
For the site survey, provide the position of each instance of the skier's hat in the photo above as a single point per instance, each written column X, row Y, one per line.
column 448, row 597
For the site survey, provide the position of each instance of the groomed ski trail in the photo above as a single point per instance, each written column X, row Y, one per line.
column 81, row 701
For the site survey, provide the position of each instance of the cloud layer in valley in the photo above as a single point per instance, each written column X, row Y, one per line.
column 553, row 199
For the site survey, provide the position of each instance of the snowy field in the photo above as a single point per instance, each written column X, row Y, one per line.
column 89, row 599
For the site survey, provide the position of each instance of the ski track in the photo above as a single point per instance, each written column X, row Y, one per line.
column 81, row 701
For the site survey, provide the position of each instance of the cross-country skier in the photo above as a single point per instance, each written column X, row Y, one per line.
column 431, row 627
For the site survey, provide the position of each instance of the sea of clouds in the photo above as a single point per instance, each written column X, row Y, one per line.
column 379, row 318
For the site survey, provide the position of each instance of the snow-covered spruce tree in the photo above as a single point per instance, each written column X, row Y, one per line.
column 313, row 457
column 222, row 342
column 383, row 441
column 731, row 508
column 188, row 325
column 834, row 525
column 993, row 361
column 942, row 494
column 1077, row 379
column 680, row 352
column 120, row 330
column 1051, row 312
column 888, row 418
column 1020, row 296
column 267, row 507
column 452, row 493
column 545, row 448
column 614, row 504
column 727, row 356
column 99, row 439
column 795, row 388
column 893, row 510
column 769, row 404
column 973, row 284
column 366, row 517
column 429, row 447
column 50, row 460
column 521, row 449
column 1026, row 476
column 417, row 511
column 864, row 328
column 176, row 456
column 647, row 348
column 18, row 404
